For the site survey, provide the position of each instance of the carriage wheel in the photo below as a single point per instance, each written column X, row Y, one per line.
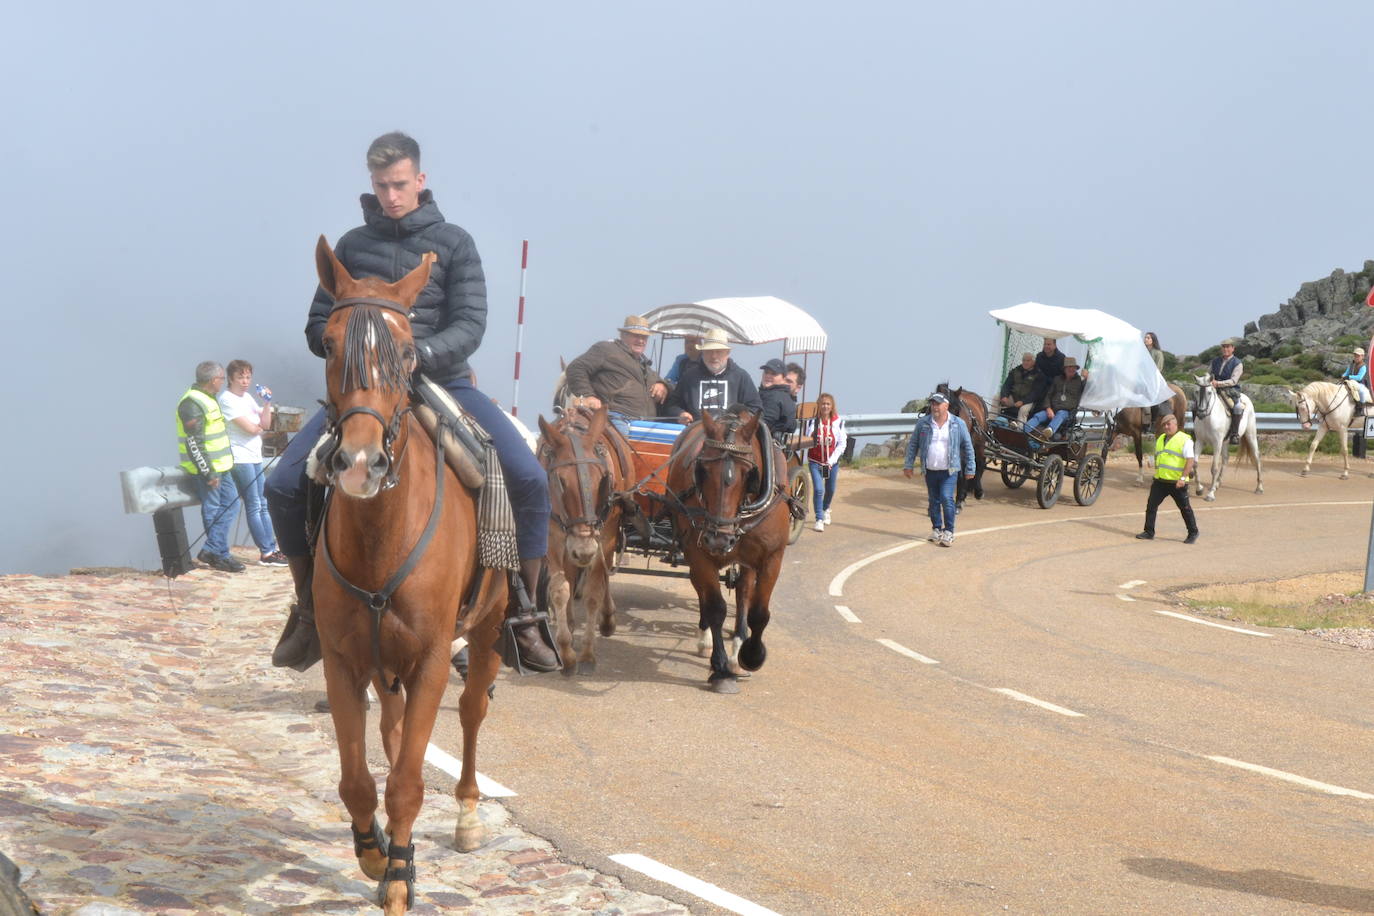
column 799, row 484
column 1051, row 480
column 1013, row 475
column 1088, row 484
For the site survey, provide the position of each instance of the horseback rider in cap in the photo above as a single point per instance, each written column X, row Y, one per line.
column 1226, row 371
column 401, row 225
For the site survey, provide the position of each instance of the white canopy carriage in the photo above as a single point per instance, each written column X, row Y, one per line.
column 1120, row 370
column 748, row 321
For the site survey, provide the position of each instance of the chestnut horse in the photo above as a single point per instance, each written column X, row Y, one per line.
column 399, row 522
column 1130, row 421
column 730, row 504
column 973, row 410
column 589, row 465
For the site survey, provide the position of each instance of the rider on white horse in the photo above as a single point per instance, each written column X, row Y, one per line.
column 1226, row 372
column 1356, row 379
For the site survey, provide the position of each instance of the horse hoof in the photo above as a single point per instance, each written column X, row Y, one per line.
column 586, row 667
column 724, row 685
column 1302, row 473
column 396, row 900
column 1259, row 489
column 752, row 654
column 568, row 670
column 1345, row 476
column 468, row 838
column 1210, row 497
column 608, row 627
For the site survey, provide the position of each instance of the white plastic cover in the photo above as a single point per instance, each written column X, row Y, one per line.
column 747, row 320
column 1121, row 372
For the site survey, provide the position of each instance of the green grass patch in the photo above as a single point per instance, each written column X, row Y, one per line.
column 877, row 463
column 1321, row 615
column 1350, row 340
column 1330, row 444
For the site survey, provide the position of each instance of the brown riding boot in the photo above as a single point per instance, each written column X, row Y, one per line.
column 532, row 637
column 299, row 645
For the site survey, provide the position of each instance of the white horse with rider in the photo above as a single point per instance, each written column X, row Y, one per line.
column 1212, row 423
column 1327, row 407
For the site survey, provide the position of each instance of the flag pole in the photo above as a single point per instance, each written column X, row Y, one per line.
column 520, row 327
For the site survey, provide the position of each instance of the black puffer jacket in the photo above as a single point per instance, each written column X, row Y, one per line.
column 450, row 315
column 779, row 410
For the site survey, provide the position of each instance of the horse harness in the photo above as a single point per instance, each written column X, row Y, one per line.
column 591, row 516
column 379, row 602
column 750, row 514
column 1319, row 416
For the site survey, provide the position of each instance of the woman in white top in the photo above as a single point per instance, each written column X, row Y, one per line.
column 823, row 458
column 246, row 420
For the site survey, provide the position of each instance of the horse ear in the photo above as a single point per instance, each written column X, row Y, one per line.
column 710, row 425
column 407, row 289
column 331, row 270
column 547, row 431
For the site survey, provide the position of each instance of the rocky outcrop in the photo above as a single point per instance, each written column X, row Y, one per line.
column 1319, row 313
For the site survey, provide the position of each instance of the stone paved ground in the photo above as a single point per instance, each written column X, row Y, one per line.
column 152, row 761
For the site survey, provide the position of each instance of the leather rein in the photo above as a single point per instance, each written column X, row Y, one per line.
column 591, row 516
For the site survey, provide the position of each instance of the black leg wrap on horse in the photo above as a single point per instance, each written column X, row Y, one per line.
column 404, row 873
column 374, row 838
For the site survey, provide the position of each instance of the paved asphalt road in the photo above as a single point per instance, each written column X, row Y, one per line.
column 850, row 777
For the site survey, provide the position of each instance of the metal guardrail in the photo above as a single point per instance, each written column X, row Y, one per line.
column 900, row 424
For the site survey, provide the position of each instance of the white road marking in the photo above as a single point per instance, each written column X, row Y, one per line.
column 1125, row 597
column 454, row 767
column 1132, row 584
column 1017, row 695
column 1219, row 626
column 708, row 892
column 903, row 650
column 1290, row 777
column 846, row 613
column 837, row 583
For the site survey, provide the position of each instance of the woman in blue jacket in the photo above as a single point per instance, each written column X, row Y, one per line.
column 943, row 442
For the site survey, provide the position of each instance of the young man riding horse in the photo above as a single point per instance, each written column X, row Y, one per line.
column 401, row 225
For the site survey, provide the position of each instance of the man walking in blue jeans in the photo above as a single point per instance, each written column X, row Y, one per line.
column 943, row 442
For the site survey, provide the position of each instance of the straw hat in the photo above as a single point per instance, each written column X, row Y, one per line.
column 714, row 339
column 636, row 324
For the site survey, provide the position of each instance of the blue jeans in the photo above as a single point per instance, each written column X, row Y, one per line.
column 1041, row 417
column 940, row 486
column 218, row 509
column 248, row 482
column 526, row 481
column 822, row 489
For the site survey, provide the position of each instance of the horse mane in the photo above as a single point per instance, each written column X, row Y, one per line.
column 365, row 333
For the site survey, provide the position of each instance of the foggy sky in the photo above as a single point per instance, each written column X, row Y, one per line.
column 896, row 169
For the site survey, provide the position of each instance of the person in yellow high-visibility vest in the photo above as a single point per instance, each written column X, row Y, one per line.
column 1175, row 462
column 203, row 444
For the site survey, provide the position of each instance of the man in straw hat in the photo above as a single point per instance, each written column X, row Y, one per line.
column 715, row 383
column 1226, row 371
column 1059, row 402
column 616, row 374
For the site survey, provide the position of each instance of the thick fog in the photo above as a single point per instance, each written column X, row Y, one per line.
column 895, row 169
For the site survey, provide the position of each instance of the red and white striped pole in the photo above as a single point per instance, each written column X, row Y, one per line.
column 520, row 327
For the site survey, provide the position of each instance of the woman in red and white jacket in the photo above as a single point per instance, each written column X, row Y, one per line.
column 823, row 458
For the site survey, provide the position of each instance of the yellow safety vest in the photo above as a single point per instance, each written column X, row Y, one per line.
column 216, row 435
column 1169, row 460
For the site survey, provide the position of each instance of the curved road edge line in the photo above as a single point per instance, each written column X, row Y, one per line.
column 837, row 584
